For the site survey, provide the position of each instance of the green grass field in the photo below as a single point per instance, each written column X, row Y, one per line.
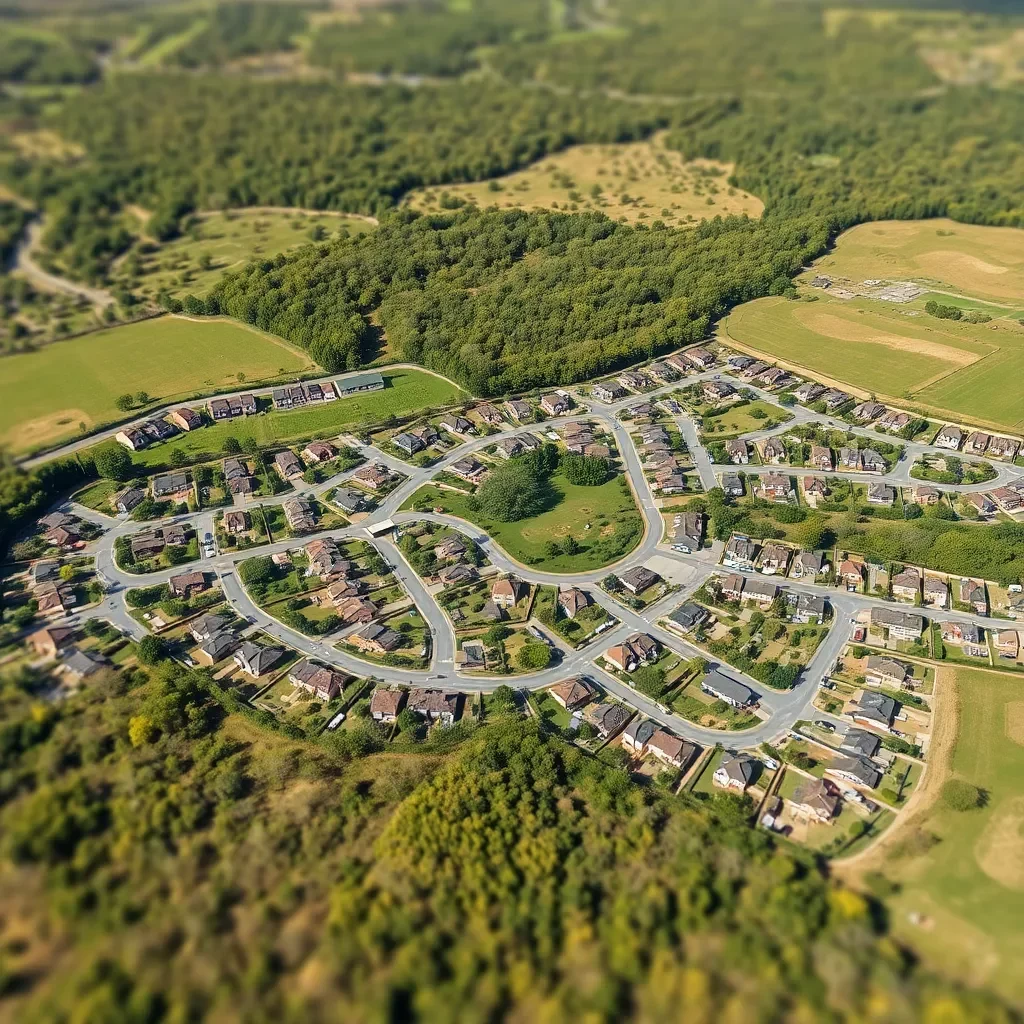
column 742, row 420
column 227, row 241
column 45, row 395
column 955, row 368
column 616, row 526
column 406, row 391
column 969, row 884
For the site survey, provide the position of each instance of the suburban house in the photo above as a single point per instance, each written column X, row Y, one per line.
column 218, row 647
column 807, row 565
column 636, row 649
column 977, row 441
column 815, row 489
column 901, row 625
column 348, row 500
column 774, row 559
column 255, row 660
column 318, row 451
column 772, row 378
column 326, row 559
column 386, row 702
column 872, row 461
column 717, row 390
column 375, row 639
column 880, row 494
column 323, row 683
column 237, row 478
column 342, row 590
column 807, row 608
column 126, row 500
column 357, row 609
column 925, row 495
column 855, row 769
column 689, row 616
column 607, row 718
column 874, row 709
column 731, row 587
column 809, row 391
column 834, row 398
column 359, row 382
column 816, row 800
column 1009, row 499
column 936, row 592
column 159, row 430
column 730, row 690
column 373, row 476
column 737, row 771
column 488, row 414
column 736, row 452
column 671, row 749
column 63, row 537
column 408, row 444
column 1007, row 642
column 287, row 464
column 634, row 381
column 851, row 573
column 761, row 592
column 236, row 522
column 638, row 734
column 458, row 573
column 740, row 553
column 519, row 410
column 949, row 437
column 172, row 487
column 754, row 369
column 186, row 419
column 54, row 598
column 883, row 671
column 1004, row 447
column 638, row 579
column 821, row 458
column 849, row 458
column 860, row 741
column 556, row 404
column 508, row 592
column 468, row 469
column 663, row 372
column 973, row 593
column 701, row 358
column 689, row 532
column 572, row 694
column 773, row 451
column 737, row 361
column 457, row 425
column 187, row 584
column 289, row 398
column 572, row 600
column 670, row 480
column 981, row 503
column 435, row 705
column 644, row 646
column 132, row 438
column 867, row 411
column 450, row 549
column 207, row 626
column 50, row 642
column 300, row 514
column 79, row 664
column 732, row 485
column 608, row 391
column 907, row 585
column 776, row 487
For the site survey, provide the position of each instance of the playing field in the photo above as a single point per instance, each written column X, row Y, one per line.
column 952, row 367
column 985, row 262
column 224, row 241
column 405, row 391
column 638, row 181
column 967, row 880
column 45, row 395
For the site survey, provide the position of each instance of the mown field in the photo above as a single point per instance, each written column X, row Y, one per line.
column 639, row 181
column 405, row 391
column 46, row 395
column 223, row 241
column 958, row 368
column 985, row 262
column 963, row 871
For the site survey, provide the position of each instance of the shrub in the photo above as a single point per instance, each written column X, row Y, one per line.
column 959, row 795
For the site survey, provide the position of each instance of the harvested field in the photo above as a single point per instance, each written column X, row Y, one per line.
column 639, row 181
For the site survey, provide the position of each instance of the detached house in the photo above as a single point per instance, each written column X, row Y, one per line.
column 701, row 358
column 901, row 625
column 555, row 404
column 323, row 683
column 808, row 392
column 435, row 705
column 867, row 411
column 717, row 391
column 671, row 749
column 949, row 437
column 977, row 441
column 773, row 451
column 821, row 458
column 936, row 592
column 638, row 579
column 374, row 476
column 807, row 608
column 973, row 593
column 689, row 532
column 737, row 771
column 925, row 495
column 907, row 584
column 740, row 553
column 808, row 565
column 815, row 800
column 815, row 490
column 732, row 692
column 300, row 514
column 508, row 592
column 187, row 584
column 856, row 769
column 1004, row 448
column 519, row 410
column 608, row 391
column 318, row 451
column 287, row 464
column 255, row 660
column 875, row 709
column 457, row 425
column 893, row 422
column 880, row 494
column 981, row 503
column 572, row 601
column 489, row 415
column 737, row 452
column 884, row 671
column 186, row 419
column 386, row 703
column 469, row 469
column 572, row 694
column 774, row 559
column 776, row 487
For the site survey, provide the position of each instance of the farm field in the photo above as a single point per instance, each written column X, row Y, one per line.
column 616, row 524
column 634, row 182
column 963, row 871
column 956, row 368
column 405, row 391
column 984, row 262
column 224, row 241
column 46, row 394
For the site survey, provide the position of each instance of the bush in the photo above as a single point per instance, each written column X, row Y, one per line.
column 958, row 795
column 534, row 657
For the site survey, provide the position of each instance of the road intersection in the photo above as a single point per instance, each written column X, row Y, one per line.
column 780, row 709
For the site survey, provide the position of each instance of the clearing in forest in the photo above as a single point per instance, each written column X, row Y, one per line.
column 961, row 873
column 45, row 395
column 218, row 242
column 637, row 181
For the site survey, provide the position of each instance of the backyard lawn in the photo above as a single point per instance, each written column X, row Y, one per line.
column 615, row 525
column 46, row 394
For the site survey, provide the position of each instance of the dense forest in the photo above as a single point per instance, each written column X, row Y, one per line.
column 243, row 29
column 191, row 863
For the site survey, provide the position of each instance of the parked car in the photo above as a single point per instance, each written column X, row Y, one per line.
column 824, row 726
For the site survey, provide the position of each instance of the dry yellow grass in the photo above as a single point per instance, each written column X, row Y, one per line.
column 1000, row 848
column 1015, row 721
column 639, row 181
column 45, row 145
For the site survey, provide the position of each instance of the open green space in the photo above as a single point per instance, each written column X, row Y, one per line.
column 604, row 521
column 223, row 241
column 963, row 871
column 405, row 392
column 743, row 418
column 46, row 395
